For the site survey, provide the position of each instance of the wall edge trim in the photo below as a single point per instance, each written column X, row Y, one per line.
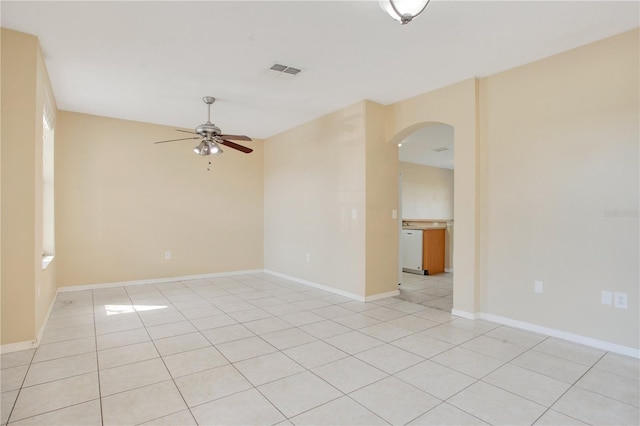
column 381, row 296
column 464, row 314
column 316, row 285
column 560, row 334
column 18, row 346
column 40, row 332
column 71, row 288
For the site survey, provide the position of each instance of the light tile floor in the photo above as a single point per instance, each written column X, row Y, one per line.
column 257, row 349
column 433, row 291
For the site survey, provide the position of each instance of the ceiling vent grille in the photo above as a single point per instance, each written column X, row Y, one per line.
column 283, row 71
column 291, row 70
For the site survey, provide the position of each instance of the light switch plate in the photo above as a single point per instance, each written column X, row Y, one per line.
column 538, row 287
column 606, row 297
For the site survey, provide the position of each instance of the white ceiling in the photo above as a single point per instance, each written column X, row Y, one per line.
column 154, row 60
column 429, row 146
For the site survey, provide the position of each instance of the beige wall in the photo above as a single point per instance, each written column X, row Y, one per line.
column 121, row 202
column 27, row 290
column 314, row 182
column 427, row 192
column 456, row 106
column 381, row 199
column 541, row 153
column 559, row 142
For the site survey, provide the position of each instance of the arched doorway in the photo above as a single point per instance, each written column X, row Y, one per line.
column 426, row 205
column 464, row 239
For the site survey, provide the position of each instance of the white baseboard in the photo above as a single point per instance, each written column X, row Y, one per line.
column 564, row 335
column 65, row 289
column 30, row 344
column 381, row 296
column 335, row 290
column 46, row 318
column 464, row 314
column 448, row 270
column 552, row 332
column 18, row 346
column 316, row 285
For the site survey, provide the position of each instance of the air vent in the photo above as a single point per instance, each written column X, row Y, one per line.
column 283, row 71
column 442, row 148
column 291, row 70
column 278, row 67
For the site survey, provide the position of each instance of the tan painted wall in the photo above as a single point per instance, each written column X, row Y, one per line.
column 381, row 198
column 27, row 290
column 427, row 192
column 121, row 202
column 314, row 180
column 559, row 149
column 456, row 106
column 1, row 291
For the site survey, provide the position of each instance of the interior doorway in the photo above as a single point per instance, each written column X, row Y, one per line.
column 426, row 207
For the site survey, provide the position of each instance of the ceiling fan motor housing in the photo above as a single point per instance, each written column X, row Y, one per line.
column 208, row 129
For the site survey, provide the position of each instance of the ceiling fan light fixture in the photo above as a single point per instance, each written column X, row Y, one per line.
column 404, row 11
column 211, row 136
column 214, row 148
column 198, row 149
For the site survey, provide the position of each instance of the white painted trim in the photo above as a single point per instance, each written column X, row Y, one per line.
column 65, row 289
column 31, row 344
column 316, row 285
column 448, row 270
column 464, row 314
column 382, row 296
column 18, row 346
column 564, row 335
column 40, row 333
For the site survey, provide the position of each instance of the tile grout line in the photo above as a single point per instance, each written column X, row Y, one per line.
column 95, row 331
column 236, row 369
column 333, row 303
column 51, row 381
column 568, row 389
column 165, row 366
column 15, row 402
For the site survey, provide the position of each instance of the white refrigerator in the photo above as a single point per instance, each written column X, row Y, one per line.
column 412, row 251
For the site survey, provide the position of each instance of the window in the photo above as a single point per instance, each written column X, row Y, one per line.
column 48, row 224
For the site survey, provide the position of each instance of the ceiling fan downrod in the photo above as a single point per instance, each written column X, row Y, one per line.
column 208, row 100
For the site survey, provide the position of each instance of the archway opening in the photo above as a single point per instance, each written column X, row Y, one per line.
column 426, row 203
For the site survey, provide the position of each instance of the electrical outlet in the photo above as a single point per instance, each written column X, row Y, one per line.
column 538, row 287
column 167, row 255
column 308, row 257
column 606, row 297
column 620, row 300
column 354, row 214
column 394, row 214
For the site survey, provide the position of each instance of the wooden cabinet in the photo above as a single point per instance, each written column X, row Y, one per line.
column 433, row 251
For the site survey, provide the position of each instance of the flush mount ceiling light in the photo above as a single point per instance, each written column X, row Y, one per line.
column 404, row 10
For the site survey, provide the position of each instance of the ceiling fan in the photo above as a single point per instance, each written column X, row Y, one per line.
column 211, row 136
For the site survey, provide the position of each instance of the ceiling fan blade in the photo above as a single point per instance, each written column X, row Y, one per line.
column 235, row 146
column 236, row 137
column 186, row 131
column 174, row 140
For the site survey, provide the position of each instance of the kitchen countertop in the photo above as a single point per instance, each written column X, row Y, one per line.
column 422, row 228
